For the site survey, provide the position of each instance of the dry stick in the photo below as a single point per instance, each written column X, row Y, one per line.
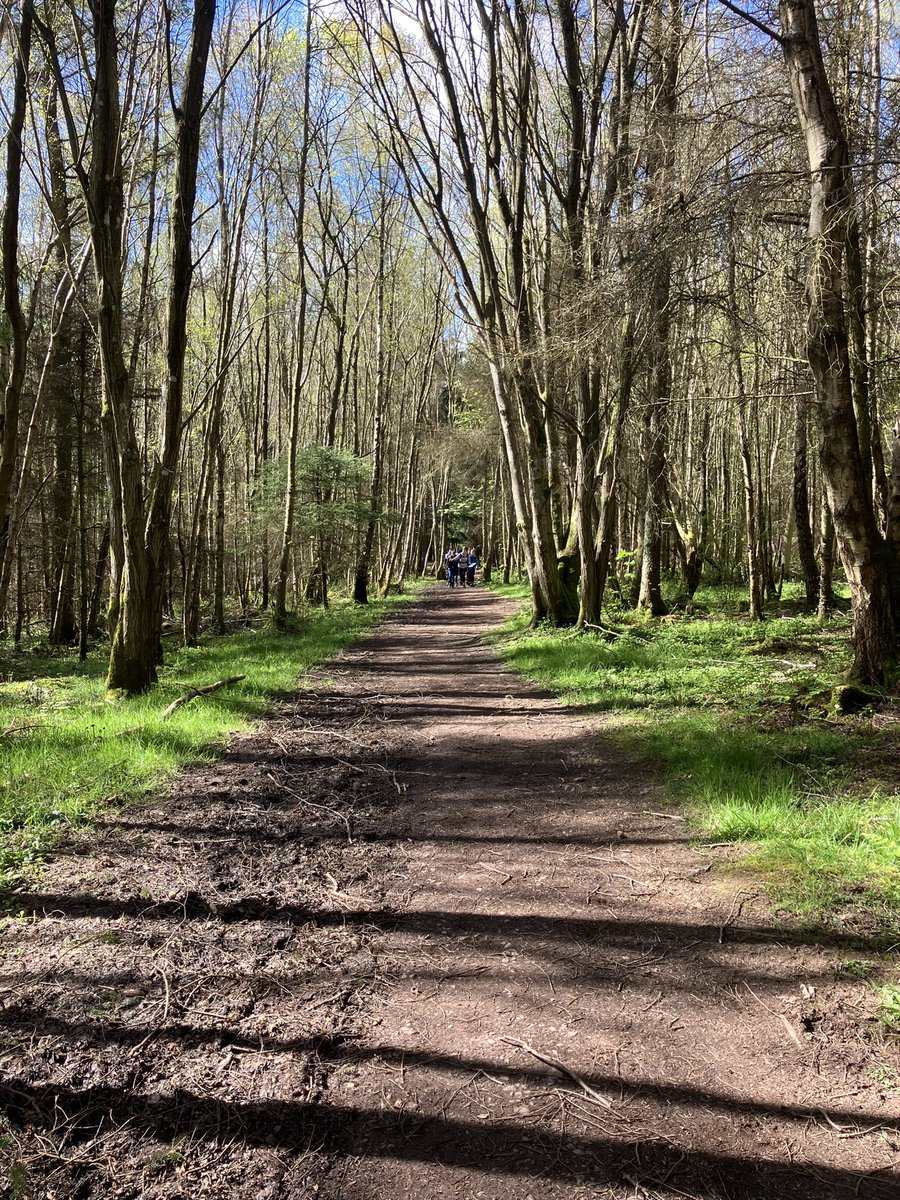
column 792, row 1032
column 339, row 895
column 604, row 629
column 853, row 1131
column 153, row 1033
column 736, row 907
column 876, row 1171
column 305, row 730
column 165, row 1012
column 25, row 727
column 562, row 1069
column 658, row 1183
column 352, row 766
column 588, row 1116
column 497, row 870
column 618, row 1067
column 858, row 1131
column 204, row 691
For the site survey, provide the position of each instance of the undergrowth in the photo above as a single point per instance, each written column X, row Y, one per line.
column 66, row 750
column 739, row 715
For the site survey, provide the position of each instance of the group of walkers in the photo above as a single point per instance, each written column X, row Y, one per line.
column 461, row 566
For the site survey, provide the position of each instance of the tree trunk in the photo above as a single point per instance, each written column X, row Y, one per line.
column 363, row 562
column 754, row 575
column 826, row 561
column 18, row 336
column 221, row 626
column 139, row 524
column 848, row 485
column 800, row 495
column 279, row 595
column 660, row 161
column 58, row 367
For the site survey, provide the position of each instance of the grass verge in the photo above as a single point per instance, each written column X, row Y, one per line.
column 738, row 716
column 66, row 751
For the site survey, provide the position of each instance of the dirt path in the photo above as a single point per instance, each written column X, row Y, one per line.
column 338, row 962
column 547, row 905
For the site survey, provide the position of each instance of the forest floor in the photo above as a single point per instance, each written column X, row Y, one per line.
column 426, row 934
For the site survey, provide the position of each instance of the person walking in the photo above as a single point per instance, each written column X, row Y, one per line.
column 471, row 568
column 463, row 565
column 451, row 564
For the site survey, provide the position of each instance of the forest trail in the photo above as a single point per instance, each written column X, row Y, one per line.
column 548, row 903
column 337, row 962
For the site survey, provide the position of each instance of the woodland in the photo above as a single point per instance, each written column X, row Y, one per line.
column 295, row 296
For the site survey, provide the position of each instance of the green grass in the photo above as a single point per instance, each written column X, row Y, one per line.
column 510, row 591
column 738, row 717
column 889, row 1007
column 67, row 751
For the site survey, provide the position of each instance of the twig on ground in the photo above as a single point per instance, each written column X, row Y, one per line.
column 456, row 1092
column 834, row 1125
column 419, row 999
column 203, row 691
column 497, row 870
column 737, row 905
column 659, row 1183
column 165, row 1011
column 605, row 629
column 588, row 1116
column 312, row 804
column 562, row 1069
column 792, row 1032
column 632, row 881
column 20, row 727
column 392, row 775
column 305, row 730
column 618, row 1067
column 336, row 892
column 891, row 1166
column 854, row 1131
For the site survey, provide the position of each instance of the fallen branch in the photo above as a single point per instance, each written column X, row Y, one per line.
column 204, row 691
column 336, row 892
column 497, row 870
column 737, row 905
column 562, row 1069
column 791, row 1031
column 24, row 727
column 606, row 630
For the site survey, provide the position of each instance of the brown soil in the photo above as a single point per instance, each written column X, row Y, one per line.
column 427, row 935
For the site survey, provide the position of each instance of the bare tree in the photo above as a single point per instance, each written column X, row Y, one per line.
column 862, row 549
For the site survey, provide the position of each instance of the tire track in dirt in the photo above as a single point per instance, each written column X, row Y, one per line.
column 548, row 913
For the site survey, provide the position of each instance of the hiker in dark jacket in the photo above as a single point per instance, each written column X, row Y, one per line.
column 472, row 568
column 451, row 562
column 463, row 565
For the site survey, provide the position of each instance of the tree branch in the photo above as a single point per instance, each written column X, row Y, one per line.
column 760, row 25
